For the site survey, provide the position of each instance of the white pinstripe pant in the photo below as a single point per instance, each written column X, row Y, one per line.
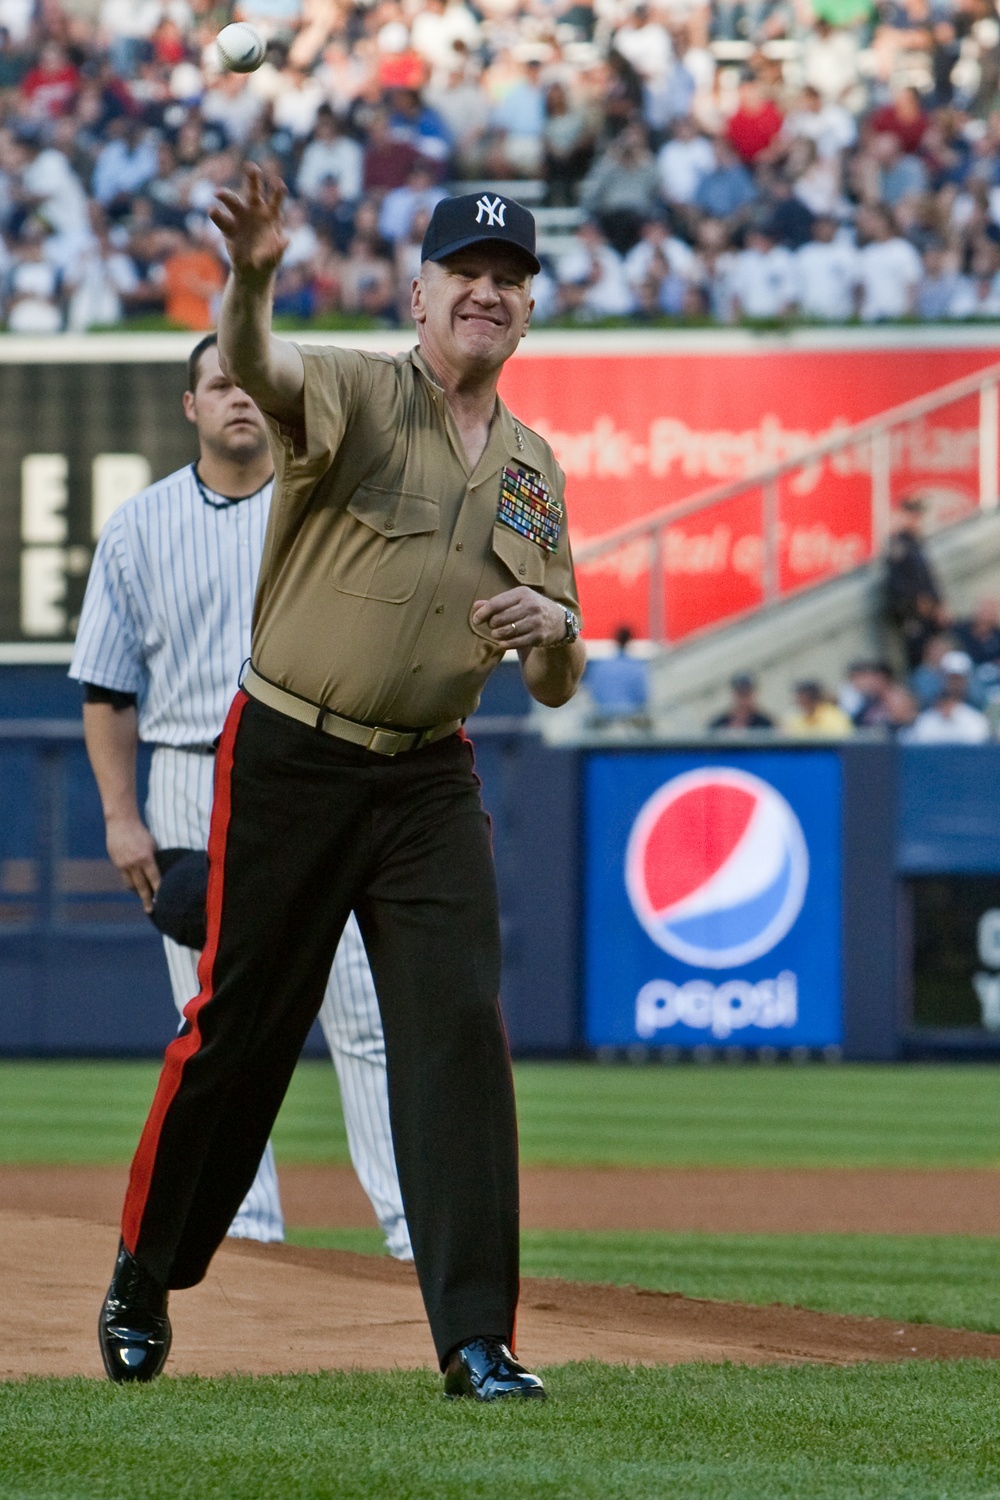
column 178, row 811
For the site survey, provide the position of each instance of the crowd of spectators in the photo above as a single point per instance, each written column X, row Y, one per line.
column 951, row 698
column 742, row 159
column 947, row 688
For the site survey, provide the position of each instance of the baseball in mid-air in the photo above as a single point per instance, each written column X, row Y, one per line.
column 241, row 48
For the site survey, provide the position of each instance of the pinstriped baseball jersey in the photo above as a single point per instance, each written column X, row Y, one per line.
column 169, row 603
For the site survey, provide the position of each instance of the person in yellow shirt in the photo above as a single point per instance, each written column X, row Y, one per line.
column 815, row 717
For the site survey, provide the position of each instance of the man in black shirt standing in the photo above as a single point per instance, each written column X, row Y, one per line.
column 914, row 603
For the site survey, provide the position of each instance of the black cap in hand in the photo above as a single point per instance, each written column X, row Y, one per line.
column 179, row 904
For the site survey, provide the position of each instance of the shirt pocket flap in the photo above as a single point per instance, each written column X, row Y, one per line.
column 524, row 558
column 394, row 512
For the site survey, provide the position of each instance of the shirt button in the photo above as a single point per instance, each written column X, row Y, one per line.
column 415, row 668
column 459, row 546
column 439, row 610
column 390, row 525
column 521, row 569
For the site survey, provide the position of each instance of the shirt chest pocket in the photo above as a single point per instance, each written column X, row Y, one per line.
column 520, row 555
column 384, row 543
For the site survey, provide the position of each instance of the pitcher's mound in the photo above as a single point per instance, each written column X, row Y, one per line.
column 272, row 1309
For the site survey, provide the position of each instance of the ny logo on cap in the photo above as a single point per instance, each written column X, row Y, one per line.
column 494, row 211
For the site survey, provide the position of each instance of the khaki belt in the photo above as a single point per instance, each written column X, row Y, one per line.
column 370, row 736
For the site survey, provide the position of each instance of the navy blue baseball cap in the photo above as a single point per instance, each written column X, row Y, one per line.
column 477, row 219
column 179, row 906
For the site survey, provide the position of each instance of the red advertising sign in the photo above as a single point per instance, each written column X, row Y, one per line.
column 639, row 421
column 638, row 428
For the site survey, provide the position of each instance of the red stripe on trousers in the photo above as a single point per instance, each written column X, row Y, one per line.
column 184, row 1047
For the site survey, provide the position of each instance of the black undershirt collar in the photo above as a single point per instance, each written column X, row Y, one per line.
column 222, row 502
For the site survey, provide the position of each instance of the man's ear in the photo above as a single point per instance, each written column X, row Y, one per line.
column 527, row 321
column 189, row 406
column 418, row 300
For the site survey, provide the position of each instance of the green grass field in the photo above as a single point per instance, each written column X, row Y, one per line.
column 576, row 1113
column 922, row 1430
column 691, row 1433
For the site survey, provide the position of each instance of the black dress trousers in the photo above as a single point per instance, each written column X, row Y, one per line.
column 306, row 828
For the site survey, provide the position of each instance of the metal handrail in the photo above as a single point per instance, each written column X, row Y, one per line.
column 18, row 731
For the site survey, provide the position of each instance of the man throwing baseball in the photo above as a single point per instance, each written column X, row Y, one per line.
column 417, row 531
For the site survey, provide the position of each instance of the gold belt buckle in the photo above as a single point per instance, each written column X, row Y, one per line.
column 385, row 741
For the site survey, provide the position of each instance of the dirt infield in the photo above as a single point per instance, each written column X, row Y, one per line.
column 748, row 1201
column 269, row 1309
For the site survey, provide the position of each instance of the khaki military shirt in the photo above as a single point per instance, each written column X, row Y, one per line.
column 380, row 541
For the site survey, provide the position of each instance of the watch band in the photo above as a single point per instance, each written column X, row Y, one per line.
column 572, row 631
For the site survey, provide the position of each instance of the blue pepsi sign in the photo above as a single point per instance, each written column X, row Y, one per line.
column 713, row 901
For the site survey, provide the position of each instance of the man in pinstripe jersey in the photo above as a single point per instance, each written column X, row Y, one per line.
column 164, row 629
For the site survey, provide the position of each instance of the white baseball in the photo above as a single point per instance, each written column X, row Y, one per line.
column 241, row 48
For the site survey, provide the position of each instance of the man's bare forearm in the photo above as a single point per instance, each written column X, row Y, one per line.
column 552, row 674
column 112, row 739
column 268, row 369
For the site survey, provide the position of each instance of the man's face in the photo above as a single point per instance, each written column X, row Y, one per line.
column 229, row 425
column 473, row 309
column 871, row 225
column 631, row 140
column 886, row 149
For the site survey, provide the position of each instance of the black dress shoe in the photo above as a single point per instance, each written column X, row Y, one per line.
column 486, row 1370
column 133, row 1329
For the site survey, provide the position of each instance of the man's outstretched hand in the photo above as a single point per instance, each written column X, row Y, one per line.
column 251, row 223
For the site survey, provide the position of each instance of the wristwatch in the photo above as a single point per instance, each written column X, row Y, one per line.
column 572, row 631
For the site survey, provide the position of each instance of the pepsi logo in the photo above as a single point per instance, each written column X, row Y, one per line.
column 716, row 867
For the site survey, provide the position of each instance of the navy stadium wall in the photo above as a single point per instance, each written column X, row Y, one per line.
column 81, row 970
